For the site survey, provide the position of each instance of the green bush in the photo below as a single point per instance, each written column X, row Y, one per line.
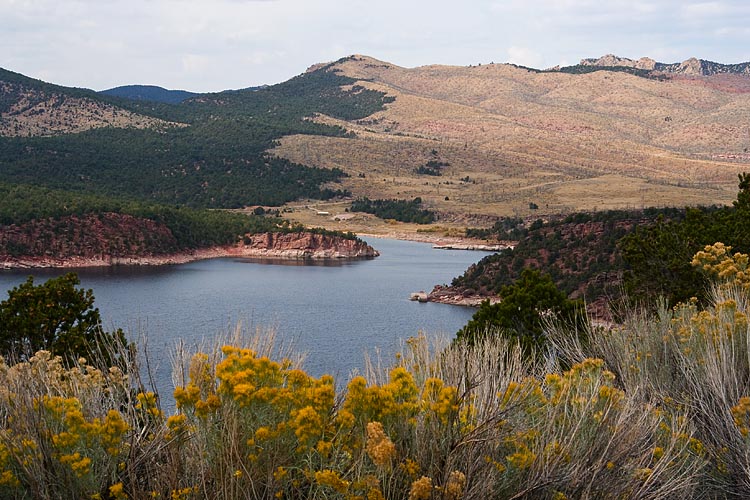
column 54, row 316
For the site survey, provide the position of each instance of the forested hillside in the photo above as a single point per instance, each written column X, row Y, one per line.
column 149, row 93
column 38, row 221
column 213, row 154
column 580, row 252
column 645, row 254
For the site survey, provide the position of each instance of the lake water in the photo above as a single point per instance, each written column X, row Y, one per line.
column 332, row 311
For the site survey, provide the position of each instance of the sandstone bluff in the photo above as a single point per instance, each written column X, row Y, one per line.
column 100, row 252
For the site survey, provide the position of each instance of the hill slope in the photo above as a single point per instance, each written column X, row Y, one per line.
column 209, row 151
column 515, row 138
column 31, row 107
column 506, row 140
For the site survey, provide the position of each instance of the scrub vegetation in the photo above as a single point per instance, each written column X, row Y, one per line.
column 655, row 407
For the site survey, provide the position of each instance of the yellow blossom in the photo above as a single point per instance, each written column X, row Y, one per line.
column 421, row 489
column 410, row 467
column 379, row 447
column 454, row 488
column 116, row 491
column 331, row 479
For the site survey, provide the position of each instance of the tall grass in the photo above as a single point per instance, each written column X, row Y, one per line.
column 656, row 407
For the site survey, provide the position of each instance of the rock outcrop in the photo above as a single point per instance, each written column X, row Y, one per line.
column 458, row 297
column 611, row 60
column 689, row 67
column 304, row 245
column 118, row 239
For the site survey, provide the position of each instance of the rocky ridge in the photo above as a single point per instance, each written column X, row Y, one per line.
column 691, row 67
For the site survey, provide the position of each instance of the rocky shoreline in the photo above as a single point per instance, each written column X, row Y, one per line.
column 303, row 245
column 447, row 295
column 440, row 242
column 472, row 246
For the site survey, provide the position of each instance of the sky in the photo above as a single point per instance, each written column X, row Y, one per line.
column 205, row 46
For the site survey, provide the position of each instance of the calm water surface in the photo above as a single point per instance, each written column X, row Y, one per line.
column 334, row 312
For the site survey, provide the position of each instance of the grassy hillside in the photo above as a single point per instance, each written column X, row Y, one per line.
column 565, row 142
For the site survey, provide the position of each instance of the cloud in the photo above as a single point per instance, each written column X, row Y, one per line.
column 701, row 11
column 194, row 63
column 523, row 56
column 212, row 45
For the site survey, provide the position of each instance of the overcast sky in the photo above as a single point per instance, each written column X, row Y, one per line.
column 220, row 44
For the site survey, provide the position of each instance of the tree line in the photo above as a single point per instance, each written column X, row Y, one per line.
column 400, row 210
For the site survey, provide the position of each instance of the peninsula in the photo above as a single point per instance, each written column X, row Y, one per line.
column 120, row 239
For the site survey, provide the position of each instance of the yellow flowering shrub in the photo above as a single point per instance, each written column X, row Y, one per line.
column 549, row 426
column 454, row 488
column 421, row 489
column 410, row 467
column 331, row 479
column 379, row 447
column 396, row 401
column 717, row 261
column 439, row 400
column 116, row 492
column 60, row 435
column 741, row 416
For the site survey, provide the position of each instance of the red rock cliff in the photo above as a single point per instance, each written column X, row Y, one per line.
column 307, row 245
column 110, row 239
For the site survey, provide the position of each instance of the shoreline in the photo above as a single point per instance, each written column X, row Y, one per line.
column 441, row 294
column 252, row 252
column 442, row 242
column 292, row 246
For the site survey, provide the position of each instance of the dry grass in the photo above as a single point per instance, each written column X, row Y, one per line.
column 565, row 142
column 689, row 361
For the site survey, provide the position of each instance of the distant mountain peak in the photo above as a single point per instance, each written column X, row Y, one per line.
column 149, row 93
column 362, row 59
column 692, row 66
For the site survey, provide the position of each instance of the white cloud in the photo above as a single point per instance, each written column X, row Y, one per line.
column 207, row 45
column 702, row 10
column 525, row 56
column 194, row 63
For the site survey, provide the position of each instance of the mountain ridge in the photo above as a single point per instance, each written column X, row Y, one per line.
column 692, row 66
column 512, row 138
column 517, row 138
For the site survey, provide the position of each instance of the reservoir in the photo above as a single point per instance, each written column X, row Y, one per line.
column 333, row 311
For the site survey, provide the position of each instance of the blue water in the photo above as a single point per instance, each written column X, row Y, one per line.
column 333, row 311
